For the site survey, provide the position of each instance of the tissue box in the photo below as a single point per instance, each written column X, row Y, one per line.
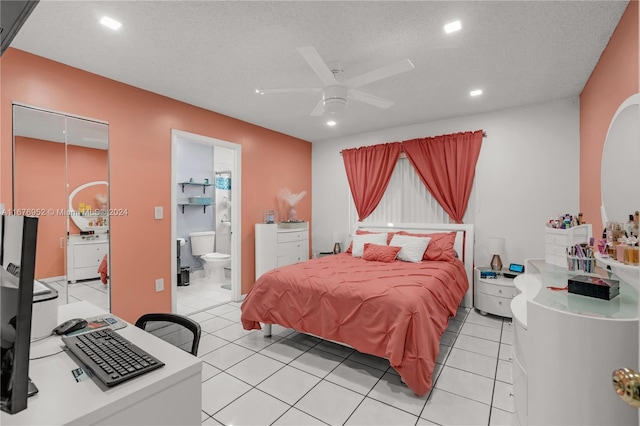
column 202, row 201
column 601, row 288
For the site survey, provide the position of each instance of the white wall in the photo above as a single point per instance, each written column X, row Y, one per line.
column 527, row 172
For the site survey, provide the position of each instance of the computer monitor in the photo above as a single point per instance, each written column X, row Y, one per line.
column 17, row 269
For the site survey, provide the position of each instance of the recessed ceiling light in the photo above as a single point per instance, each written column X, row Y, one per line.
column 452, row 27
column 477, row 92
column 111, row 23
column 331, row 123
column 259, row 92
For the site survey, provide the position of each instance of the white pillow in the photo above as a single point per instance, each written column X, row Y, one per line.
column 412, row 248
column 358, row 242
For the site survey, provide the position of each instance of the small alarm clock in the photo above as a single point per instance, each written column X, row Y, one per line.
column 515, row 269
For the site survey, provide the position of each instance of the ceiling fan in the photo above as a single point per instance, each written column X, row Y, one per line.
column 334, row 93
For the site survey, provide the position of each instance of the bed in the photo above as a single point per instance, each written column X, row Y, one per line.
column 397, row 310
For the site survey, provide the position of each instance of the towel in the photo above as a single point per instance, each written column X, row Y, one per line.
column 103, row 270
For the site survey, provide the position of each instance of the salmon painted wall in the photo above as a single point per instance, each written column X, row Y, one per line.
column 140, row 124
column 40, row 185
column 614, row 79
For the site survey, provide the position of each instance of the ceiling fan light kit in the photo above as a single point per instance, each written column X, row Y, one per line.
column 334, row 98
column 335, row 94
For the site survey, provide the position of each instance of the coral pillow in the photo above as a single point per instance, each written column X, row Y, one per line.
column 413, row 248
column 361, row 232
column 380, row 253
column 440, row 247
column 359, row 240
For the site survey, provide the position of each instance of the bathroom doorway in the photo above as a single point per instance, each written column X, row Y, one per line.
column 205, row 195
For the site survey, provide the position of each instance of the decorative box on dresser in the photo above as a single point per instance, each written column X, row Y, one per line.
column 566, row 347
column 492, row 295
column 280, row 244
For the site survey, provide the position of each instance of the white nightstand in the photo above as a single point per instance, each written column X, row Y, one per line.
column 492, row 295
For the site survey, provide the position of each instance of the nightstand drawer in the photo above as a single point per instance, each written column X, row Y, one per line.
column 496, row 290
column 495, row 305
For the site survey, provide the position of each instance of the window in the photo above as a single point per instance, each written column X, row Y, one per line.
column 406, row 200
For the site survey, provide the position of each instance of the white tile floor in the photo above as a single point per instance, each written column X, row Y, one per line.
column 295, row 379
column 201, row 294
column 93, row 291
column 197, row 296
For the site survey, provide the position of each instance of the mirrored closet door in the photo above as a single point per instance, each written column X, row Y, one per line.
column 61, row 175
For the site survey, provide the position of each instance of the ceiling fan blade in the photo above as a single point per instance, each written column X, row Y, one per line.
column 379, row 74
column 289, row 90
column 311, row 55
column 369, row 99
column 319, row 109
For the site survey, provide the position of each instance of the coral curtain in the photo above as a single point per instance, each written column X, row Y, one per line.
column 446, row 165
column 369, row 170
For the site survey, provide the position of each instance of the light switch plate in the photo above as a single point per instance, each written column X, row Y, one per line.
column 158, row 213
column 159, row 285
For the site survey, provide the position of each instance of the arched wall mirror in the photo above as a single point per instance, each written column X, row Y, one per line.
column 61, row 175
column 620, row 159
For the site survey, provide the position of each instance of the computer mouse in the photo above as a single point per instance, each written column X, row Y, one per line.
column 70, row 326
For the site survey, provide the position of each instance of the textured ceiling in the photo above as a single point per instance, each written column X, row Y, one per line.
column 214, row 54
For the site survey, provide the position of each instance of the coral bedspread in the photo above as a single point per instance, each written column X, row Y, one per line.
column 393, row 310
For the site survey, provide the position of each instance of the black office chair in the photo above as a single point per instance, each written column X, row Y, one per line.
column 176, row 329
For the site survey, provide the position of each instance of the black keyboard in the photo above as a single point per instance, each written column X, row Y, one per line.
column 112, row 358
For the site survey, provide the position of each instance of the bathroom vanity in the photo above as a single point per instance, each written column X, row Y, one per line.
column 84, row 254
column 566, row 347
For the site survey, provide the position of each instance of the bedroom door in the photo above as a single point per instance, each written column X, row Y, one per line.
column 626, row 382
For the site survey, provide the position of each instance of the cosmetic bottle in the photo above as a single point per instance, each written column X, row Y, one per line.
column 632, row 255
column 620, row 251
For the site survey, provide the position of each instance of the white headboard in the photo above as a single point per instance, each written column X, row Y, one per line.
column 463, row 244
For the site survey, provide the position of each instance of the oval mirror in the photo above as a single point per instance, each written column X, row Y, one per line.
column 620, row 160
column 86, row 216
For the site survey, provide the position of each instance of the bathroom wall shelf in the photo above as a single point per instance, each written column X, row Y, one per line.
column 204, row 206
column 202, row 184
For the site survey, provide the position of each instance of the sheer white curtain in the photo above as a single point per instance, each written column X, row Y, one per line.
column 408, row 201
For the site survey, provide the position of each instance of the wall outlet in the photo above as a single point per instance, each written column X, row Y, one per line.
column 157, row 212
column 159, row 285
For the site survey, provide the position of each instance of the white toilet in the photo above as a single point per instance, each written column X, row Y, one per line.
column 202, row 246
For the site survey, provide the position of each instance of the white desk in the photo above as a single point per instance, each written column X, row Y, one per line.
column 171, row 395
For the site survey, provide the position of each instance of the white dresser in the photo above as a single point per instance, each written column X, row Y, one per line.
column 280, row 244
column 84, row 254
column 566, row 347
